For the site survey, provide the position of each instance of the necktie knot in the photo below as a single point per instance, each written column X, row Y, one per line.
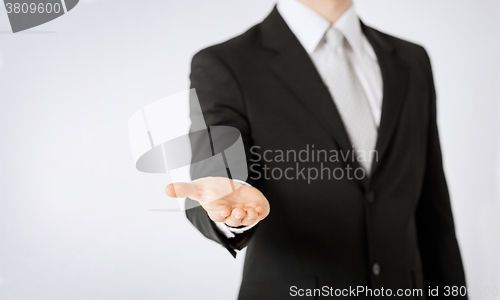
column 334, row 38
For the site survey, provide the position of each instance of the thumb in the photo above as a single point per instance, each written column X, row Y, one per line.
column 179, row 190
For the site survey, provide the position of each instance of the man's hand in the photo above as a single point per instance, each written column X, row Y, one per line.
column 224, row 200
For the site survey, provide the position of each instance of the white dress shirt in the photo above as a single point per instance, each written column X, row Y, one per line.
column 309, row 27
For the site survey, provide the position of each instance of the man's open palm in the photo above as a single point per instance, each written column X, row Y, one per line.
column 224, row 200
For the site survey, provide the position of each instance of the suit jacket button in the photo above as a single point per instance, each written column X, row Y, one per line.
column 370, row 197
column 376, row 269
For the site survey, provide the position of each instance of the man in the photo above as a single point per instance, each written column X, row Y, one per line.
column 312, row 76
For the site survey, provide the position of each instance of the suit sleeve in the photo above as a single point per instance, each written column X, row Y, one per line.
column 439, row 251
column 221, row 103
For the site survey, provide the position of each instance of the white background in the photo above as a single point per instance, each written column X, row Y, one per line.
column 75, row 219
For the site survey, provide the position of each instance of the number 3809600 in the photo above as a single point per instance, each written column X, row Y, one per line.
column 32, row 8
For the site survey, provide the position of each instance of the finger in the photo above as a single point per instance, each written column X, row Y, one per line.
column 262, row 213
column 237, row 215
column 218, row 213
column 232, row 222
column 247, row 222
column 179, row 190
column 251, row 213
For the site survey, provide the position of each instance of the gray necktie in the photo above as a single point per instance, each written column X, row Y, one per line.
column 350, row 99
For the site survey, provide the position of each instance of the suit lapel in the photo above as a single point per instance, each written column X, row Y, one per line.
column 395, row 75
column 303, row 79
column 294, row 67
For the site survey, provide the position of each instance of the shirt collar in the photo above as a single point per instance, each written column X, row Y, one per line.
column 309, row 27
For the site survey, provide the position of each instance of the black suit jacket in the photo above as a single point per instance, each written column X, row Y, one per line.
column 393, row 230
